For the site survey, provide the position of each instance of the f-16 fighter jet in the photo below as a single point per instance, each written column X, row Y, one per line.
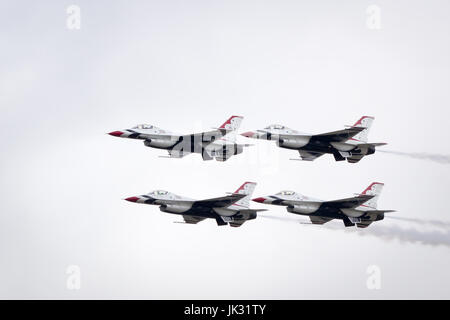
column 219, row 143
column 232, row 209
column 348, row 144
column 360, row 210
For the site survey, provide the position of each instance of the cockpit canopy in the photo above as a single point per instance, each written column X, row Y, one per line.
column 143, row 126
column 159, row 193
column 276, row 127
column 286, row 193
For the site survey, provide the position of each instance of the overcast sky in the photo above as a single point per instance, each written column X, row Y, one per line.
column 187, row 66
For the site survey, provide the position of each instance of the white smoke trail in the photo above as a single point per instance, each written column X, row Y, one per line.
column 437, row 223
column 440, row 158
column 392, row 232
column 407, row 235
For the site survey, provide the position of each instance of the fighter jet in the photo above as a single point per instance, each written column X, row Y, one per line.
column 348, row 144
column 360, row 209
column 232, row 209
column 220, row 143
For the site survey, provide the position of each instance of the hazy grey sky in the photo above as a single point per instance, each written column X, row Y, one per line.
column 186, row 66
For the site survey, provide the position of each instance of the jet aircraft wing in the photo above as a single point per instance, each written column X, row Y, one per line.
column 347, row 203
column 220, row 201
column 338, row 136
column 334, row 136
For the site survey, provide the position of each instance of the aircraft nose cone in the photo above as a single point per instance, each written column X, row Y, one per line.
column 132, row 199
column 116, row 133
column 248, row 134
column 260, row 199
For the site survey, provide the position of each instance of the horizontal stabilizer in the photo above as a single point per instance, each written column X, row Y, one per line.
column 354, row 219
column 220, row 222
column 347, row 222
column 348, row 202
column 242, row 216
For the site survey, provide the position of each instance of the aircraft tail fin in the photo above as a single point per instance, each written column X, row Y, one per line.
column 232, row 124
column 247, row 188
column 363, row 122
column 374, row 189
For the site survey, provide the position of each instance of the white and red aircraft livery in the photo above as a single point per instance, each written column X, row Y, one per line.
column 232, row 209
column 360, row 210
column 348, row 144
column 219, row 143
